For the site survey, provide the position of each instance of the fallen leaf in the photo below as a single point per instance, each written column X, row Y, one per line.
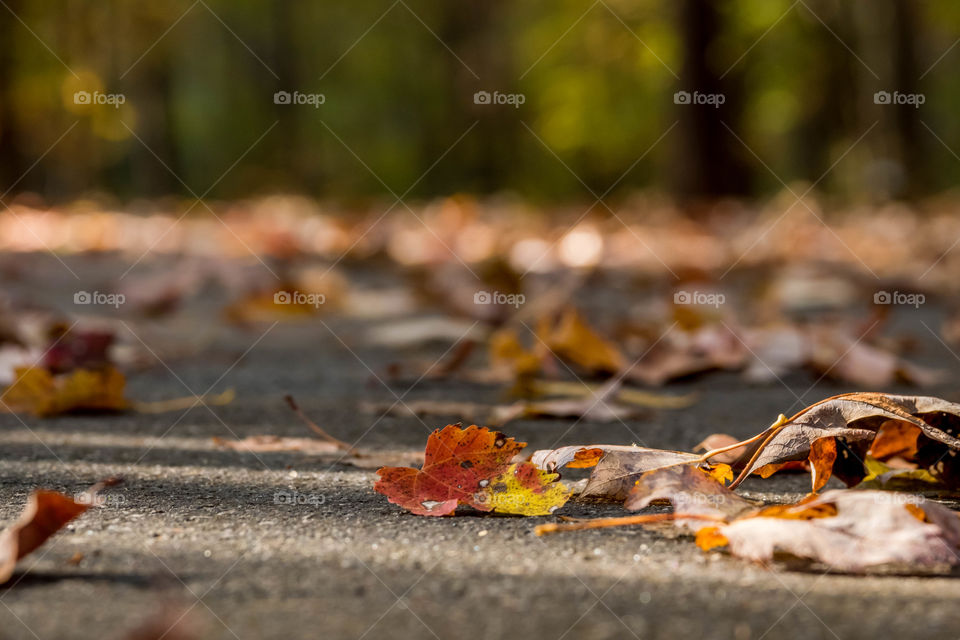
column 38, row 391
column 46, row 513
column 844, row 356
column 572, row 339
column 76, row 349
column 691, row 492
column 851, row 531
column 616, row 468
column 637, row 397
column 508, row 355
column 719, row 441
column 895, row 438
column 885, row 478
column 684, row 353
column 524, row 490
column 458, row 463
column 823, row 453
column 852, row 417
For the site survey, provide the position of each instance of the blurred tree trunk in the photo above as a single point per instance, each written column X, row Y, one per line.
column 830, row 96
column 474, row 30
column 292, row 155
column 910, row 139
column 711, row 159
column 12, row 163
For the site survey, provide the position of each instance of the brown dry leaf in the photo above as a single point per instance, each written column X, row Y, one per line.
column 40, row 392
column 853, row 417
column 572, row 339
column 847, row 358
column 270, row 306
column 620, row 393
column 719, row 441
column 606, row 403
column 684, row 353
column 895, row 438
column 46, row 513
column 851, row 531
column 598, row 406
column 617, row 467
column 691, row 492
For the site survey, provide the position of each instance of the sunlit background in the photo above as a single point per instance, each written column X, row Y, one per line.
column 397, row 115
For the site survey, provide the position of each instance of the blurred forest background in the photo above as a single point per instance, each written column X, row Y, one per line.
column 398, row 80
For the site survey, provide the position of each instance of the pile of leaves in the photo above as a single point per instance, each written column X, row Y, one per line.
column 873, row 442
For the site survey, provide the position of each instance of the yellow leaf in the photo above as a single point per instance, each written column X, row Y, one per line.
column 38, row 391
column 507, row 351
column 710, row 538
column 722, row 473
column 525, row 490
column 573, row 339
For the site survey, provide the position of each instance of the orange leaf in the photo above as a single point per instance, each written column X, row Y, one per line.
column 823, row 453
column 895, row 438
column 45, row 514
column 586, row 458
column 710, row 538
column 458, row 463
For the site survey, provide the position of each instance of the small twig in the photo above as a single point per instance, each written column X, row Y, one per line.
column 188, row 402
column 603, row 523
column 315, row 427
column 774, row 429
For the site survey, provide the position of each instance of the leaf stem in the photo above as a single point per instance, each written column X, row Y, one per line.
column 314, row 426
column 773, row 430
column 603, row 523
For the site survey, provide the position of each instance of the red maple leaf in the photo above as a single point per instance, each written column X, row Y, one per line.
column 457, row 463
